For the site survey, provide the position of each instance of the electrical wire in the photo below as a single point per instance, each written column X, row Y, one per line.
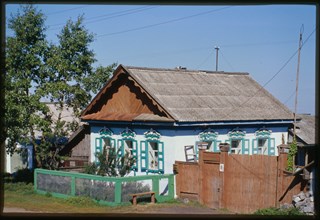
column 161, row 23
column 205, row 60
column 108, row 16
column 283, row 66
column 65, row 10
column 225, row 59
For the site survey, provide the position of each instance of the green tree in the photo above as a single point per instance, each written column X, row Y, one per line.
column 38, row 70
column 24, row 113
column 110, row 163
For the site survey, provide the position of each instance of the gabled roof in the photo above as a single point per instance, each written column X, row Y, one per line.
column 199, row 96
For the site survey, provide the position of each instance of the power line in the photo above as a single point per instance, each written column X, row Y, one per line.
column 285, row 102
column 225, row 59
column 285, row 64
column 109, row 16
column 165, row 22
column 65, row 10
column 205, row 60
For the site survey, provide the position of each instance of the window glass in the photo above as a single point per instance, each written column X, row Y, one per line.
column 262, row 142
column 235, row 143
column 153, row 155
column 128, row 146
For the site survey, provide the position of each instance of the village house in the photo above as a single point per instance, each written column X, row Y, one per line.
column 306, row 143
column 164, row 115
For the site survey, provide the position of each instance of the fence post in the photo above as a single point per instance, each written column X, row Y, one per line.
column 171, row 185
column 200, row 189
column 155, row 185
column 117, row 191
column 222, row 170
column 73, row 185
column 35, row 176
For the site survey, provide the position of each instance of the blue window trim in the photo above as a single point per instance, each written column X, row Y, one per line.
column 244, row 142
column 134, row 150
column 215, row 147
column 264, row 134
column 99, row 144
column 144, row 157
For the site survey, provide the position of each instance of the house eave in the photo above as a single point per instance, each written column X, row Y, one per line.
column 187, row 124
column 212, row 123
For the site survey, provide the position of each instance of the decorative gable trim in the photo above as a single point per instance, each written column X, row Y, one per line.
column 128, row 134
column 119, row 74
column 236, row 133
column 152, row 135
column 105, row 133
column 208, row 135
column 263, row 133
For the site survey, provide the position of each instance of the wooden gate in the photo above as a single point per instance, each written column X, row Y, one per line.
column 210, row 180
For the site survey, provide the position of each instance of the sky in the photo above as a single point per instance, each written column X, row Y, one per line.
column 262, row 40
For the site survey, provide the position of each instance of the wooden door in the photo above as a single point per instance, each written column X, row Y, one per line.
column 211, row 185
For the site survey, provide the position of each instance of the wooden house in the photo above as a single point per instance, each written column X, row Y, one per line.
column 157, row 113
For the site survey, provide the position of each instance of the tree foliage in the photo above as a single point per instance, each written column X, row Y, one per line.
column 110, row 163
column 38, row 70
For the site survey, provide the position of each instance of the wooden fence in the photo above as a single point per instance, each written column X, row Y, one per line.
column 240, row 183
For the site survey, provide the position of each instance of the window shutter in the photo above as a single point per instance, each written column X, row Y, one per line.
column 160, row 157
column 113, row 142
column 271, row 146
column 98, row 147
column 254, row 146
column 216, row 146
column 121, row 147
column 143, row 155
column 245, row 146
column 197, row 149
column 135, row 154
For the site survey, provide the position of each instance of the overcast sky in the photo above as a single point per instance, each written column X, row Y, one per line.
column 261, row 40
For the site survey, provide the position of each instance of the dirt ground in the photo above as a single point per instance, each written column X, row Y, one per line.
column 140, row 209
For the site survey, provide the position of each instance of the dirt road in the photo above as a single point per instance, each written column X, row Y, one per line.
column 141, row 209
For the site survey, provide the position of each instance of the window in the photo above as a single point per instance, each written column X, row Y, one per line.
column 104, row 141
column 107, row 142
column 235, row 146
column 239, row 144
column 262, row 145
column 153, row 155
column 128, row 146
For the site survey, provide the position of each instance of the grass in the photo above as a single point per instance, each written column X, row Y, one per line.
column 278, row 211
column 21, row 195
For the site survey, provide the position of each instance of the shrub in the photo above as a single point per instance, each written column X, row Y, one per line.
column 23, row 175
column 7, row 177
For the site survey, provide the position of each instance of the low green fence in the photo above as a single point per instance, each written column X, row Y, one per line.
column 105, row 190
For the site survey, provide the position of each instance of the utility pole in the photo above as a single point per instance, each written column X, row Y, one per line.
column 297, row 83
column 217, row 49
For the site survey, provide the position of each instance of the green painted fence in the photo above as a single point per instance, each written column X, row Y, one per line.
column 104, row 190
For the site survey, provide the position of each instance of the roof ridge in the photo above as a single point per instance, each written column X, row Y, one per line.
column 186, row 70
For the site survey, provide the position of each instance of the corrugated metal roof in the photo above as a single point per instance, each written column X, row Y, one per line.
column 191, row 95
